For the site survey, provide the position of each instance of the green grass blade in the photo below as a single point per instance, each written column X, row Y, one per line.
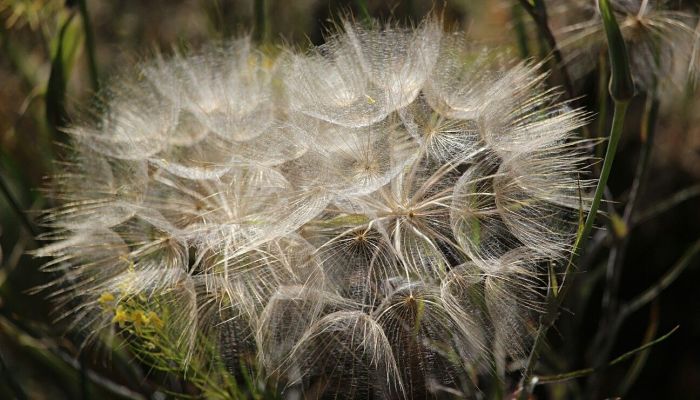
column 621, row 85
column 65, row 52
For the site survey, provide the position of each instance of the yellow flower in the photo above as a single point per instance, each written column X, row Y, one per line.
column 139, row 319
column 155, row 320
column 121, row 316
column 106, row 300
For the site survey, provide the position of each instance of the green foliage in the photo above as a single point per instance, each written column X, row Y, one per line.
column 65, row 49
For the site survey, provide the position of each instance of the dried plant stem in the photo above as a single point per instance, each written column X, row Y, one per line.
column 641, row 358
column 538, row 12
column 640, row 301
column 587, row 371
column 665, row 205
column 669, row 277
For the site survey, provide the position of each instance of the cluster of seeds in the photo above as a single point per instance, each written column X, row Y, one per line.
column 369, row 218
column 662, row 42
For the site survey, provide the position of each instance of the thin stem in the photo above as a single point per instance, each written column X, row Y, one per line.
column 90, row 45
column 640, row 301
column 641, row 359
column 602, row 99
column 665, row 205
column 532, row 360
column 619, row 250
column 621, row 90
column 538, row 12
column 587, row 371
column 669, row 277
column 261, row 21
column 647, row 134
column 619, row 113
column 644, row 347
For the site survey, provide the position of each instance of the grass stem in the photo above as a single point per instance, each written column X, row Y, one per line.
column 538, row 12
column 364, row 10
column 262, row 27
column 621, row 90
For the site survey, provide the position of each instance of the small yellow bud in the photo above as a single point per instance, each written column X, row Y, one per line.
column 121, row 316
column 106, row 300
column 619, row 226
column 155, row 320
column 139, row 319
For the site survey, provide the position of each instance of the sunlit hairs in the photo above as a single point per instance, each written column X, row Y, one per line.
column 371, row 218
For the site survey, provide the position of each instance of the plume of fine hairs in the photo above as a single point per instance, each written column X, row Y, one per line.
column 663, row 43
column 367, row 219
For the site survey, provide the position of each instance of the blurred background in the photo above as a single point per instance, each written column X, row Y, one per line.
column 55, row 54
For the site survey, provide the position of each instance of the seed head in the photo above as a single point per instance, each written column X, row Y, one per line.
column 662, row 42
column 371, row 216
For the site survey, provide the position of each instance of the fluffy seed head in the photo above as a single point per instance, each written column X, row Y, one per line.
column 371, row 216
column 663, row 43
